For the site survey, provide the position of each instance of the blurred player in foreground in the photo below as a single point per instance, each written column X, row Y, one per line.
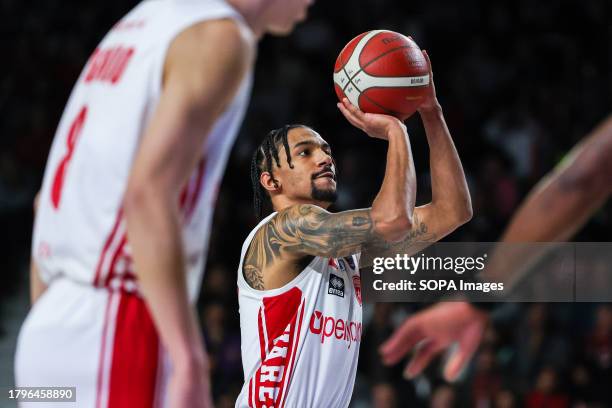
column 139, row 153
column 298, row 278
column 554, row 210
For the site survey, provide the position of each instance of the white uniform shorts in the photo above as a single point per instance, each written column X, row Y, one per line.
column 100, row 341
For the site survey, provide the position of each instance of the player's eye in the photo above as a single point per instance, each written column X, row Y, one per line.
column 305, row 152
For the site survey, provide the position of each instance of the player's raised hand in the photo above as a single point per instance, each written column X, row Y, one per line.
column 430, row 101
column 376, row 125
column 433, row 330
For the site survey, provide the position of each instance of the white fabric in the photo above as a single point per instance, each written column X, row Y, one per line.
column 71, row 239
column 309, row 338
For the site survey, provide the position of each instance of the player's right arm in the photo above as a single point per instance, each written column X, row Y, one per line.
column 451, row 205
column 204, row 67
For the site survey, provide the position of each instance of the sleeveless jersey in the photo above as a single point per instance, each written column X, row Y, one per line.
column 80, row 231
column 300, row 343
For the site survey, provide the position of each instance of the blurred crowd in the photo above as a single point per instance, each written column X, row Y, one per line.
column 520, row 82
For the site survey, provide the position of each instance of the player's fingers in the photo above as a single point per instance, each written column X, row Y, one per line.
column 401, row 342
column 350, row 117
column 421, row 359
column 353, row 109
column 468, row 344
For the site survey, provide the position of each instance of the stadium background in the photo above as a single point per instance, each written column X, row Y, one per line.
column 520, row 82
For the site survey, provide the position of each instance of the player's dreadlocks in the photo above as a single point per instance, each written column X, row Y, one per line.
column 262, row 161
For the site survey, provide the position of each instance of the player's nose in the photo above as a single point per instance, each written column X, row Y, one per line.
column 324, row 159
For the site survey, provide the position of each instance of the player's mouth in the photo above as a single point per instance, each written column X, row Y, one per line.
column 325, row 174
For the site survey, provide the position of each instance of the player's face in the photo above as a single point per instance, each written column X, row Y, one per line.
column 283, row 15
column 313, row 176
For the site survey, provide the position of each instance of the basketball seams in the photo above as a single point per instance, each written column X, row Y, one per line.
column 350, row 82
column 382, row 55
column 388, row 111
column 353, row 61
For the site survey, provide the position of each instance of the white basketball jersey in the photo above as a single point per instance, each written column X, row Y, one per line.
column 80, row 231
column 300, row 343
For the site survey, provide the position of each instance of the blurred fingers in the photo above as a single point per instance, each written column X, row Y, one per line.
column 424, row 354
column 468, row 344
column 401, row 342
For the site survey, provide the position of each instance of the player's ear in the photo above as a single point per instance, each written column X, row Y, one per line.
column 269, row 182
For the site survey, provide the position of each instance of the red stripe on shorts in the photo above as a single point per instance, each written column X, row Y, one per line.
column 103, row 351
column 135, row 360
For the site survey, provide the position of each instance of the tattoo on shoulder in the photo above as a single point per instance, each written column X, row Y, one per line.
column 253, row 276
column 255, row 261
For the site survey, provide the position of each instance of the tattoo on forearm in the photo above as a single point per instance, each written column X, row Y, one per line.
column 360, row 221
column 417, row 239
column 307, row 230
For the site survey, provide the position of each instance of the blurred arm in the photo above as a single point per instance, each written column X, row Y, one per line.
column 560, row 204
column 567, row 197
column 37, row 286
column 200, row 79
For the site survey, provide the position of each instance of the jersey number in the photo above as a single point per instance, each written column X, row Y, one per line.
column 60, row 173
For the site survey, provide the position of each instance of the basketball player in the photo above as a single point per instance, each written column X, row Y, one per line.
column 127, row 198
column 298, row 278
column 554, row 210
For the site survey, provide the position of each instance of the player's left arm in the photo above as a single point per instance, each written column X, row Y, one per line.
column 450, row 206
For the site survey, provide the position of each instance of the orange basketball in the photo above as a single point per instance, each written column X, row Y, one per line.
column 382, row 71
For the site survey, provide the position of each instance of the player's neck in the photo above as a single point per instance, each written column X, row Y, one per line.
column 251, row 11
column 279, row 203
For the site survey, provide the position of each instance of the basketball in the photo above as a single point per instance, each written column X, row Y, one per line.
column 382, row 71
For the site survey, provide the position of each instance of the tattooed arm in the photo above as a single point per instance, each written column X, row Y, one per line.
column 304, row 231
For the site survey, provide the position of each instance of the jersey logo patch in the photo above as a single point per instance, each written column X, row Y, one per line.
column 336, row 285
